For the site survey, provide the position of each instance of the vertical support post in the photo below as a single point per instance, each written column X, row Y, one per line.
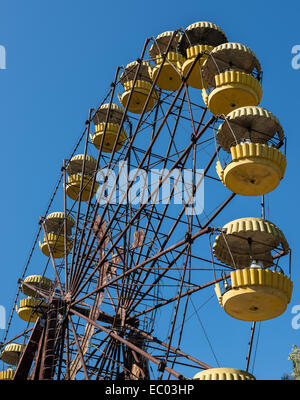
column 250, row 345
column 263, row 214
column 26, row 360
column 48, row 355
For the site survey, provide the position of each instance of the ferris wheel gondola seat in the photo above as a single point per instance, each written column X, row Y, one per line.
column 168, row 68
column 255, row 169
column 81, row 163
column 138, row 87
column 169, row 77
column 31, row 309
column 38, row 282
column 110, row 131
column 196, row 79
column 7, row 375
column 233, row 89
column 56, row 244
column 74, row 186
column 256, row 294
column 137, row 94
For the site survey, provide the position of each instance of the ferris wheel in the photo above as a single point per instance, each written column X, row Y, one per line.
column 127, row 246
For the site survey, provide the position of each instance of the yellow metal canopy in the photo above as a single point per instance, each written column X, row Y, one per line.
column 130, row 71
column 54, row 222
column 245, row 239
column 11, row 353
column 223, row 374
column 251, row 122
column 115, row 114
column 202, row 32
column 161, row 43
column 76, row 163
column 230, row 56
column 39, row 282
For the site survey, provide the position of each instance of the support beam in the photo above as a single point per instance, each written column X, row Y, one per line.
column 145, row 262
column 27, row 357
column 173, row 349
column 48, row 354
column 130, row 345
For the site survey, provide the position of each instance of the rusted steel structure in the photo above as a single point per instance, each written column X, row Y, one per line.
column 125, row 259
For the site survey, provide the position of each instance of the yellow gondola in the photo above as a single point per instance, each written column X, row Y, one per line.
column 256, row 167
column 74, row 184
column 55, row 239
column 199, row 38
column 137, row 92
column 56, row 244
column 107, row 121
column 170, row 72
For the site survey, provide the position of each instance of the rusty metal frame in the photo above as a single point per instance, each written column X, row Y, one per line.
column 46, row 341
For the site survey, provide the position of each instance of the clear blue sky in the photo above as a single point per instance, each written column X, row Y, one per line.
column 61, row 58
